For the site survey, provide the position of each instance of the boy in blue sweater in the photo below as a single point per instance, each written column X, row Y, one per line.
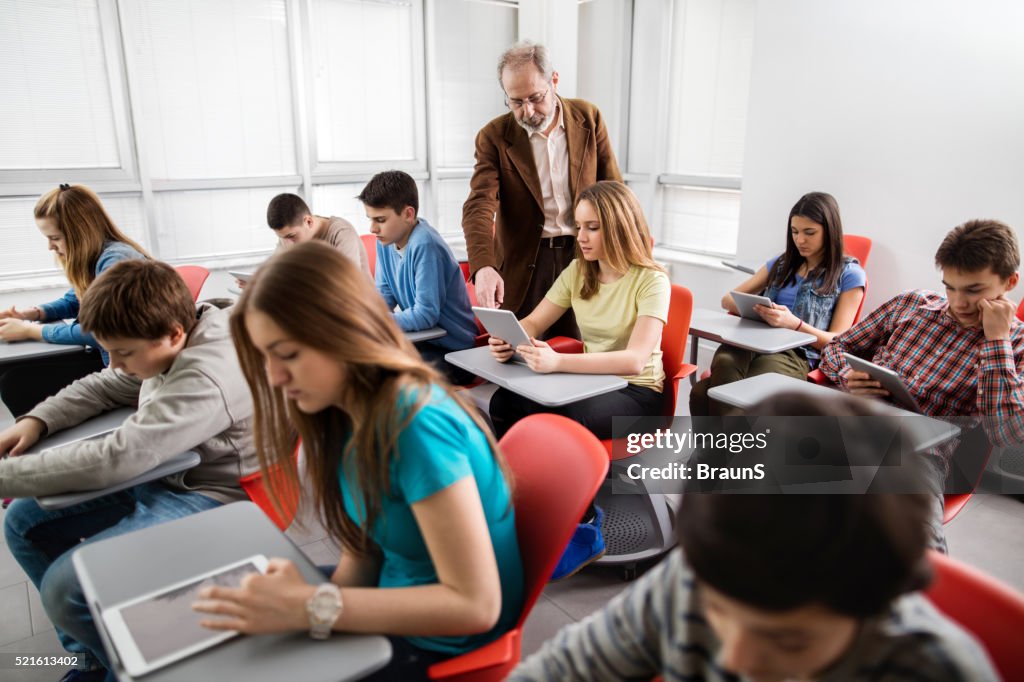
column 417, row 272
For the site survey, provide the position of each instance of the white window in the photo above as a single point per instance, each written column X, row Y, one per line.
column 212, row 81
column 709, row 83
column 367, row 82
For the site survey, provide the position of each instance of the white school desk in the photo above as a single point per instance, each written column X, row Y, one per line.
column 551, row 390
column 17, row 351
column 747, row 266
column 745, row 393
column 426, row 334
column 127, row 566
column 732, row 330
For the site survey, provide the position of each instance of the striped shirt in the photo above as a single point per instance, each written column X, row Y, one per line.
column 656, row 627
column 951, row 370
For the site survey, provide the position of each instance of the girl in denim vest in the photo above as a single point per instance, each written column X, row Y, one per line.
column 814, row 289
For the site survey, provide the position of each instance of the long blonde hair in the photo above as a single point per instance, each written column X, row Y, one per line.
column 321, row 300
column 79, row 215
column 625, row 236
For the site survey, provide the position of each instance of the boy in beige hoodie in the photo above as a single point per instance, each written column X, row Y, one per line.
column 192, row 397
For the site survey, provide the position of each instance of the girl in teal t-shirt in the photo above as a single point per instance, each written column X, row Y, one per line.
column 404, row 477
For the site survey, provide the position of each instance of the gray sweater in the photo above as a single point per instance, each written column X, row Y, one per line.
column 200, row 403
column 657, row 627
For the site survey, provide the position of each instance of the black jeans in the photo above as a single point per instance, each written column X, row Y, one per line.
column 25, row 384
column 594, row 413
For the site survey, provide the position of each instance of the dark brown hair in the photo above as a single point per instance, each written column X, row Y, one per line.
column 980, row 244
column 392, row 189
column 320, row 299
column 79, row 215
column 823, row 209
column 137, row 299
column 286, row 210
column 853, row 554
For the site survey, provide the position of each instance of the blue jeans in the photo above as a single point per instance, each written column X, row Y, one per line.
column 42, row 542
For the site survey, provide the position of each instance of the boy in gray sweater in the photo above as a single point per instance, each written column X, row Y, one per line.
column 192, row 397
column 817, row 587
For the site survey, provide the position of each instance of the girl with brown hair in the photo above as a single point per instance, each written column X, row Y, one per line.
column 86, row 242
column 620, row 297
column 404, row 477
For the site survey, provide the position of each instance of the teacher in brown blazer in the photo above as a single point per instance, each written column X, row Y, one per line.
column 531, row 163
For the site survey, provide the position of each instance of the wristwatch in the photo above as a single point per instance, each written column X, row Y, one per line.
column 323, row 608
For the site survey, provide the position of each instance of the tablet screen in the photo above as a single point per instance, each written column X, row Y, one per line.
column 163, row 624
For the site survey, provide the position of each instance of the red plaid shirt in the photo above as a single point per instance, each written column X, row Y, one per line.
column 951, row 370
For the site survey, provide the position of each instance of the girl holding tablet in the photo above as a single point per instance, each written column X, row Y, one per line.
column 813, row 288
column 405, row 478
column 620, row 298
column 86, row 242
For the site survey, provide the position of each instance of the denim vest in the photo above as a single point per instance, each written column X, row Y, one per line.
column 813, row 308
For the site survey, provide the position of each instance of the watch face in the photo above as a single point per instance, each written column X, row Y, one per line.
column 324, row 606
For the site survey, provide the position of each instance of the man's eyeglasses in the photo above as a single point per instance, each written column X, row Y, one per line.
column 533, row 99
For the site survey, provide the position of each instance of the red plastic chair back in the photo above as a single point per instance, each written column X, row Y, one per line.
column 858, row 247
column 551, row 493
column 464, row 266
column 195, row 277
column 985, row 607
column 370, row 244
column 1020, row 310
column 673, row 345
column 255, row 487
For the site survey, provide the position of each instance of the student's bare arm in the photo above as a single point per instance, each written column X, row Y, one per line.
column 643, row 341
column 755, row 284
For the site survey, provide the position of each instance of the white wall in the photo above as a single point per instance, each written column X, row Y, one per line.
column 909, row 112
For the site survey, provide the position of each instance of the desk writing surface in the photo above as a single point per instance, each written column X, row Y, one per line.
column 426, row 334
column 97, row 426
column 553, row 390
column 747, row 266
column 15, row 351
column 748, row 392
column 180, row 462
column 720, row 326
column 127, row 566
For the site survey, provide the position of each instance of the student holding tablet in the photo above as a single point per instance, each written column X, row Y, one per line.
column 404, row 475
column 192, row 396
column 86, row 242
column 961, row 354
column 620, row 298
column 813, row 288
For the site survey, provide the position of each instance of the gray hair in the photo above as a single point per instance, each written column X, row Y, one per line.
column 526, row 52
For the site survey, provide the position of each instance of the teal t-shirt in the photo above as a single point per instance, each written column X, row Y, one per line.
column 441, row 446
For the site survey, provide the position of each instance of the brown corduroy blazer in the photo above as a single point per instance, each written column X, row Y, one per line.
column 503, row 216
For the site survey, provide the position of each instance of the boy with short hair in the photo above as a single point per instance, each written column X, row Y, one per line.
column 417, row 271
column 960, row 355
column 193, row 396
column 779, row 587
column 290, row 218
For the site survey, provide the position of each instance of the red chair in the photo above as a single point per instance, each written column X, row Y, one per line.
column 551, row 493
column 255, row 487
column 858, row 247
column 195, row 277
column 464, row 266
column 370, row 244
column 988, row 609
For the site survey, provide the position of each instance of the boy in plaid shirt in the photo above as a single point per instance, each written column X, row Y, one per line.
column 960, row 355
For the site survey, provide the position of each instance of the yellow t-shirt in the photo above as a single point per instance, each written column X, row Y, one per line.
column 607, row 318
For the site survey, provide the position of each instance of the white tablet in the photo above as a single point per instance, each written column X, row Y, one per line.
column 745, row 304
column 504, row 325
column 241, row 276
column 159, row 628
column 889, row 379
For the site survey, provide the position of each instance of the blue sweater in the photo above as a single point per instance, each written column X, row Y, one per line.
column 67, row 306
column 425, row 281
